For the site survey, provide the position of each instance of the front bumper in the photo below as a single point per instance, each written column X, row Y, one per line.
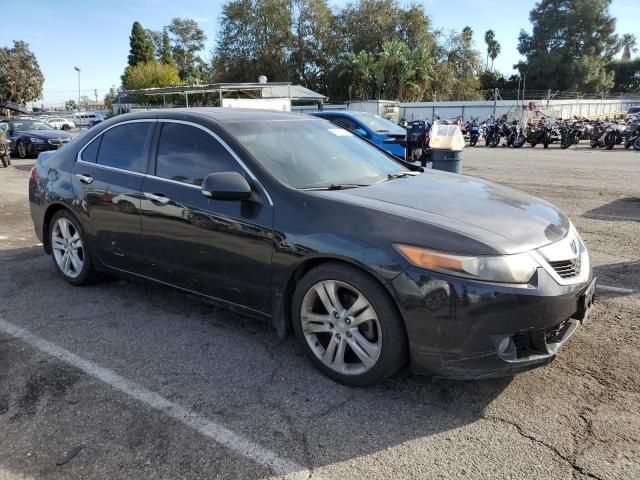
column 465, row 329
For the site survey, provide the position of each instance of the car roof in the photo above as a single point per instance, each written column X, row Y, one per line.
column 220, row 115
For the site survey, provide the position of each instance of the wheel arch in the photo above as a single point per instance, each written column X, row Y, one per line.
column 51, row 210
column 283, row 315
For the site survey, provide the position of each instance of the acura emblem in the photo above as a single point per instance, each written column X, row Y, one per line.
column 574, row 247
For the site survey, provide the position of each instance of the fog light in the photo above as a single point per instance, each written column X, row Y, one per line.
column 506, row 348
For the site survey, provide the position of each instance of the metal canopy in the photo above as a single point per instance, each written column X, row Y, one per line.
column 255, row 90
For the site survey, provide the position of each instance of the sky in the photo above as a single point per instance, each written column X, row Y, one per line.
column 94, row 35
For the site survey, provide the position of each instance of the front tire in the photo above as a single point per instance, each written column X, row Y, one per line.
column 22, row 149
column 70, row 249
column 5, row 161
column 348, row 325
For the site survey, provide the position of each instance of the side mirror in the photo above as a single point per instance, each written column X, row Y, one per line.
column 361, row 133
column 226, row 186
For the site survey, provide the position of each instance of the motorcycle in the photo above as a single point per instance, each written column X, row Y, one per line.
column 492, row 132
column 632, row 136
column 514, row 134
column 4, row 149
column 603, row 135
column 569, row 135
column 540, row 133
column 472, row 129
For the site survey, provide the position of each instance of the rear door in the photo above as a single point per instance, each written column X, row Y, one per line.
column 108, row 177
column 219, row 248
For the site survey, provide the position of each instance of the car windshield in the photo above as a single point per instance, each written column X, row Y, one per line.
column 24, row 125
column 376, row 123
column 314, row 154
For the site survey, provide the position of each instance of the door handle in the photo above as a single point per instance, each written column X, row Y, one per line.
column 157, row 198
column 85, row 178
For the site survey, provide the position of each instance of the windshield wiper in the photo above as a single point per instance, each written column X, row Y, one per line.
column 401, row 174
column 336, row 186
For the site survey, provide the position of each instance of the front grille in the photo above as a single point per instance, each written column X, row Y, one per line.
column 567, row 268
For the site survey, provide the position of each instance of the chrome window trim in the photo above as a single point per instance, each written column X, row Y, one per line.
column 226, row 147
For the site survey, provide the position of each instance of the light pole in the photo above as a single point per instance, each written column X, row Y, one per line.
column 77, row 69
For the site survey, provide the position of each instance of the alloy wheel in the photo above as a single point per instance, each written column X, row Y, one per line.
column 67, row 248
column 341, row 327
column 22, row 150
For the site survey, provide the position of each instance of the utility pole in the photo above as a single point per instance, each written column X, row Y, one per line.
column 77, row 69
column 548, row 97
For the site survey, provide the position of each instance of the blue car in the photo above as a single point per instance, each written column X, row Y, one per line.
column 379, row 131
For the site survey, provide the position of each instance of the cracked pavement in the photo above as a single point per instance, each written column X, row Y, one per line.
column 578, row 418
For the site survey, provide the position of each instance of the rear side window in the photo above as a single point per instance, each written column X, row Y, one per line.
column 124, row 147
column 187, row 154
column 90, row 153
column 346, row 123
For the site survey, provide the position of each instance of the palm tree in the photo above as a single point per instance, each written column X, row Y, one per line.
column 629, row 43
column 489, row 38
column 494, row 51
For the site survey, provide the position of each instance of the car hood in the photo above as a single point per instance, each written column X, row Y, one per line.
column 45, row 134
column 507, row 220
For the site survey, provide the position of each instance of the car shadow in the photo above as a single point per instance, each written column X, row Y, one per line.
column 233, row 369
column 623, row 275
column 623, row 210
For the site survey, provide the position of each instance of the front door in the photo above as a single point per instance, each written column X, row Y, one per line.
column 108, row 177
column 219, row 248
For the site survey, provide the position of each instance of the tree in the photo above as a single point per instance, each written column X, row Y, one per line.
column 368, row 24
column 629, row 43
column 155, row 38
column 255, row 39
column 21, row 79
column 457, row 69
column 109, row 98
column 489, row 38
column 396, row 73
column 150, row 74
column 141, row 49
column 627, row 76
column 165, row 50
column 187, row 41
column 315, row 47
column 571, row 43
column 493, row 47
column 70, row 105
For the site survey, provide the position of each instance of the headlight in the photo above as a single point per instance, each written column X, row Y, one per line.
column 36, row 140
column 517, row 268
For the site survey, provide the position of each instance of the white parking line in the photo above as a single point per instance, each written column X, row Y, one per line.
column 220, row 434
column 607, row 288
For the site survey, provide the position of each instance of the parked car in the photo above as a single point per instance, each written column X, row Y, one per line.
column 289, row 219
column 86, row 119
column 60, row 123
column 633, row 110
column 30, row 137
column 379, row 131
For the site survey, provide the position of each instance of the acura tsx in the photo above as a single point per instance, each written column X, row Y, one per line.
column 370, row 263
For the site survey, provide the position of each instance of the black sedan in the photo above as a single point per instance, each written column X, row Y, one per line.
column 292, row 219
column 30, row 137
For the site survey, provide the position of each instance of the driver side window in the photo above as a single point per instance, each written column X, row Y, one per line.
column 188, row 154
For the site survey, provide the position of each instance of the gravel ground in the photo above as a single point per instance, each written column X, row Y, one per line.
column 230, row 379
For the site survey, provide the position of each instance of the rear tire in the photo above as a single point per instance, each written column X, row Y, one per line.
column 5, row 161
column 66, row 127
column 610, row 141
column 70, row 249
column 328, row 302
